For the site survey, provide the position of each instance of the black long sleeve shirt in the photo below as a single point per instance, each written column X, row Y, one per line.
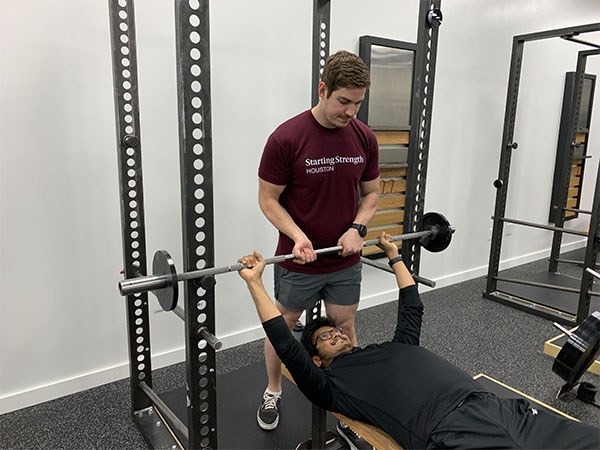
column 398, row 386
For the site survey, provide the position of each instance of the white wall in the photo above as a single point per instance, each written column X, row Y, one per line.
column 62, row 321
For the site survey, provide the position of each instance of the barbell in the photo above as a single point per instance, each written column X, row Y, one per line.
column 435, row 237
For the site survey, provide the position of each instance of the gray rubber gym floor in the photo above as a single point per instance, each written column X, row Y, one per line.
column 478, row 335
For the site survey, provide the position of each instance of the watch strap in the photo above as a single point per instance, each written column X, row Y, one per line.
column 362, row 229
column 394, row 260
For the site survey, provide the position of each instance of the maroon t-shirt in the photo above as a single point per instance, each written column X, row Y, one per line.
column 321, row 169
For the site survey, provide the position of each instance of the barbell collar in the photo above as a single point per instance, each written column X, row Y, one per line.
column 143, row 284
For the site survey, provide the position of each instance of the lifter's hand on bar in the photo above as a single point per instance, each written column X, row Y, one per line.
column 255, row 265
column 386, row 244
column 252, row 275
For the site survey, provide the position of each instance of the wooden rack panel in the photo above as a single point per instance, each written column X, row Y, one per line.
column 575, row 186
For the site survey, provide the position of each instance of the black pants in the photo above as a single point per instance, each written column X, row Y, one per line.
column 486, row 421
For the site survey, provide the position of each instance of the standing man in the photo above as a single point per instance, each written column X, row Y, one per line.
column 318, row 185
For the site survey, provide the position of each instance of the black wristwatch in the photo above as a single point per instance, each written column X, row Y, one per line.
column 362, row 229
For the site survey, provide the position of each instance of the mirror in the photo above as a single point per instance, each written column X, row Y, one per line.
column 388, row 101
column 387, row 105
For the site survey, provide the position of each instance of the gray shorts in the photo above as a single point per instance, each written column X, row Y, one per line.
column 299, row 291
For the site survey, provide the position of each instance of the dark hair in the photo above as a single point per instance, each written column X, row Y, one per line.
column 309, row 330
column 345, row 70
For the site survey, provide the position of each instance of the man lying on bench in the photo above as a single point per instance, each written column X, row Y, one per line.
column 418, row 398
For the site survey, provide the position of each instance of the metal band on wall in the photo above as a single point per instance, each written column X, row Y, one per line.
column 124, row 61
column 422, row 106
column 593, row 242
column 510, row 115
column 563, row 192
column 320, row 43
column 320, row 53
column 195, row 145
column 591, row 254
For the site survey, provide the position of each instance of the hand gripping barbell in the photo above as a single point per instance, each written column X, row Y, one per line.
column 435, row 237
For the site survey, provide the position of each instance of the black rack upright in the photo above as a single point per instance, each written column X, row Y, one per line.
column 510, row 292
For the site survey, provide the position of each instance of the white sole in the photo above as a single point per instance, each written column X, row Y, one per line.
column 266, row 426
column 346, row 438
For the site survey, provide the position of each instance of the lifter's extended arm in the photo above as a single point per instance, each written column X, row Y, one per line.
column 410, row 307
column 403, row 276
column 310, row 379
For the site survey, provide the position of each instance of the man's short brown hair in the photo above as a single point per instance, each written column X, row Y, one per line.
column 345, row 70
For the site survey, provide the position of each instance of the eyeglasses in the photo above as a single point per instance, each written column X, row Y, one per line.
column 326, row 335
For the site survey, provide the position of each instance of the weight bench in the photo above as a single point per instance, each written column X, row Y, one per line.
column 380, row 440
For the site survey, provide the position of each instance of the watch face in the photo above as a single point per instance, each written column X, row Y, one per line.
column 362, row 229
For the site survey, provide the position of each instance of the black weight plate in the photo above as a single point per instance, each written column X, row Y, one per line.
column 163, row 265
column 580, row 351
column 443, row 235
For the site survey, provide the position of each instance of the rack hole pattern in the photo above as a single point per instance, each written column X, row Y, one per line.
column 125, row 75
column 423, row 139
column 197, row 136
column 323, row 46
column 506, row 152
column 193, row 65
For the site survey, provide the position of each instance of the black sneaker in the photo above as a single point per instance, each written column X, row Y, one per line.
column 268, row 412
column 354, row 440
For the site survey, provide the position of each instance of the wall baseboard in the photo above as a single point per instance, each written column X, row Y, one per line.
column 68, row 386
column 60, row 388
